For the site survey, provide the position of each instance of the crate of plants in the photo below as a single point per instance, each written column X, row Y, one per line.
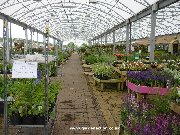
column 148, row 82
column 28, row 107
column 102, row 71
column 132, row 66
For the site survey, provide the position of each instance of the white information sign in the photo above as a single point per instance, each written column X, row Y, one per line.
column 24, row 69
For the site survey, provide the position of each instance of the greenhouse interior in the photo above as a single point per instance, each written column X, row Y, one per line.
column 91, row 67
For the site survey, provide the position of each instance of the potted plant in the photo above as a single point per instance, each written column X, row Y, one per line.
column 15, row 118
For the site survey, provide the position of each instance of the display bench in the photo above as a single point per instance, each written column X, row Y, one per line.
column 124, row 73
column 35, row 58
column 123, row 76
column 102, row 82
column 86, row 68
column 175, row 107
column 142, row 90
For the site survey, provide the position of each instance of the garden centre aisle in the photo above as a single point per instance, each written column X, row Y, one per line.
column 75, row 104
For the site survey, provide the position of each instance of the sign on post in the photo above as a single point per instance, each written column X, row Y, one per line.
column 24, row 69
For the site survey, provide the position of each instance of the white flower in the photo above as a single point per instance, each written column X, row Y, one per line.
column 20, row 109
column 39, row 108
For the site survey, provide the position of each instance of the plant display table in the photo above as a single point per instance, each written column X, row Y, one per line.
column 118, row 81
column 124, row 73
column 145, row 89
column 175, row 107
column 88, row 73
column 86, row 68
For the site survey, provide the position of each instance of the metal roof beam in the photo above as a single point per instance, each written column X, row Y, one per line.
column 147, row 11
column 24, row 25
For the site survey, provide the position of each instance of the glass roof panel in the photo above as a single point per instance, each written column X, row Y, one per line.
column 84, row 20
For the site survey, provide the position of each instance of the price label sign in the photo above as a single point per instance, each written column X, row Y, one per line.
column 24, row 69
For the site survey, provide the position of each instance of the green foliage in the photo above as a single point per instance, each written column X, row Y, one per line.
column 91, row 59
column 1, row 86
column 174, row 96
column 161, row 105
column 106, row 58
column 103, row 69
column 124, row 114
column 63, row 55
column 29, row 96
column 1, row 67
column 71, row 46
column 53, row 68
column 175, row 129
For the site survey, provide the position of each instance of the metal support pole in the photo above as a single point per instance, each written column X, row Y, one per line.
column 130, row 37
column 26, row 47
column 127, row 36
column 152, row 36
column 46, row 85
column 31, row 44
column 30, row 48
column 37, row 40
column 114, row 46
column 101, row 40
column 61, row 45
column 46, row 79
column 57, row 47
column 5, row 44
column 105, row 39
column 8, row 44
column 11, row 41
column 90, row 43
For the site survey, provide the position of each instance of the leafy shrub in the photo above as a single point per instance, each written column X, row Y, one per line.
column 91, row 59
column 103, row 70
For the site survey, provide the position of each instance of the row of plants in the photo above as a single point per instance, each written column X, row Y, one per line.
column 94, row 58
column 173, row 64
column 27, row 95
column 138, row 66
column 151, row 116
column 154, row 78
column 96, row 54
column 63, row 55
column 103, row 71
column 9, row 68
column 28, row 100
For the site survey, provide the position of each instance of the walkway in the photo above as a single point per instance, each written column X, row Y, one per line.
column 76, row 105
